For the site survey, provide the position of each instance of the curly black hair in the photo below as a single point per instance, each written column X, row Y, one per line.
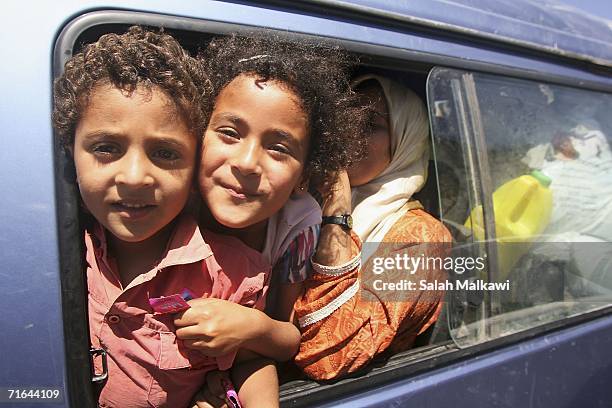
column 319, row 75
column 137, row 58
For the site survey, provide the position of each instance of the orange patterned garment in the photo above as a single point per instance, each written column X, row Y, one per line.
column 371, row 322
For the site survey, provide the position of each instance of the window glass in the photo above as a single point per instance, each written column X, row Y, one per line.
column 525, row 180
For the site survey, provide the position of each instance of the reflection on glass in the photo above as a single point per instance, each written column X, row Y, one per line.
column 548, row 156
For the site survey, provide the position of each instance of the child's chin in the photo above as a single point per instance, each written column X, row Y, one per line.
column 236, row 221
column 130, row 236
column 233, row 224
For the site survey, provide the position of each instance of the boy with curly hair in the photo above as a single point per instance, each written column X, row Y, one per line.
column 130, row 109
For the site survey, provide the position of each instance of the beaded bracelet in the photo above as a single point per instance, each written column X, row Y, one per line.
column 336, row 270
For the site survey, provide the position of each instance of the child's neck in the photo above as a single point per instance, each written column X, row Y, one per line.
column 253, row 236
column 135, row 258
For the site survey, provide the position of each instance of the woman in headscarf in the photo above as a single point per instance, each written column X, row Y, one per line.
column 344, row 328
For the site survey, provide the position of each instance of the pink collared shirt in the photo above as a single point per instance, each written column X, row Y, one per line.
column 147, row 366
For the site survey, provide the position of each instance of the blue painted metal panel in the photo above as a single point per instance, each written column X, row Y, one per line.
column 546, row 24
column 568, row 369
column 31, row 344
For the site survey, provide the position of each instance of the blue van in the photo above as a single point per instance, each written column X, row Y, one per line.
column 511, row 86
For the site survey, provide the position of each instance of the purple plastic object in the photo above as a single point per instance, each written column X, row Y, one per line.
column 172, row 303
column 230, row 394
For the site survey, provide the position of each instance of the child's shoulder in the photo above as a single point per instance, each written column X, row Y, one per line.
column 298, row 216
column 301, row 206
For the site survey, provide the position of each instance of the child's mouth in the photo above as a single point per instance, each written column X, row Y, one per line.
column 132, row 210
column 239, row 193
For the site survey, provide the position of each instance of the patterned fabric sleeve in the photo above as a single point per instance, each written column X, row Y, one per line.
column 358, row 323
column 294, row 265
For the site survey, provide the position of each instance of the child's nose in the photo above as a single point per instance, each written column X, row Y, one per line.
column 135, row 170
column 247, row 159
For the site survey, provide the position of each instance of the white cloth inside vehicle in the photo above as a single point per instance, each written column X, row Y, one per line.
column 581, row 220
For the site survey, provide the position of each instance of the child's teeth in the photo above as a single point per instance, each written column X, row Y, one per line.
column 134, row 205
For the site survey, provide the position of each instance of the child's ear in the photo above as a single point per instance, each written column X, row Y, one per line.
column 302, row 186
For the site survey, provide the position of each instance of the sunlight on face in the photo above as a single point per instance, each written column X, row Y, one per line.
column 134, row 158
column 253, row 152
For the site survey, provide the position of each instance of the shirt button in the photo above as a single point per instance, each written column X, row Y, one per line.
column 113, row 319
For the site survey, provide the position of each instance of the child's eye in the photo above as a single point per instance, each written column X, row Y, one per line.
column 280, row 148
column 228, row 132
column 166, row 155
column 105, row 149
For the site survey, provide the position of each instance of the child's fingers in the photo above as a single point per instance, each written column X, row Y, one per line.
column 202, row 400
column 179, row 321
column 186, row 318
column 204, row 348
column 200, row 309
column 202, row 404
column 193, row 338
column 192, row 332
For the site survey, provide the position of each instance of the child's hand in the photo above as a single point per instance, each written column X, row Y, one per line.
column 212, row 394
column 216, row 327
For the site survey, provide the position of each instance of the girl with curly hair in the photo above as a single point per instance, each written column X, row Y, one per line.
column 284, row 119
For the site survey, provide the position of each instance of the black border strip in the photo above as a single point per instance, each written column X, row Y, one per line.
column 71, row 262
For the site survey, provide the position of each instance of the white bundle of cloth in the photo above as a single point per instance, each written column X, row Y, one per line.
column 581, row 220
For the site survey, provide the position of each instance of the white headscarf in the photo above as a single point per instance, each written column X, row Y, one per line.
column 377, row 204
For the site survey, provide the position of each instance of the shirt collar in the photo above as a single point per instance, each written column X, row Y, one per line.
column 185, row 246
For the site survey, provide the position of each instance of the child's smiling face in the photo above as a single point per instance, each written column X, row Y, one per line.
column 253, row 152
column 134, row 157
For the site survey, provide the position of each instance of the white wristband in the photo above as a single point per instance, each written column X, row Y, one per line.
column 337, row 269
column 329, row 308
